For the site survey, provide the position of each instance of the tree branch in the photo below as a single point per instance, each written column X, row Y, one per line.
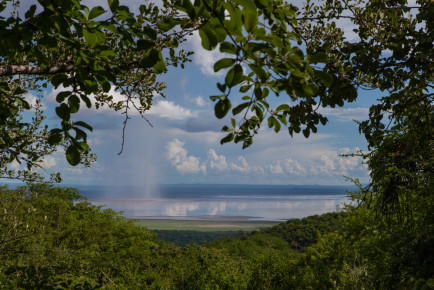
column 17, row 69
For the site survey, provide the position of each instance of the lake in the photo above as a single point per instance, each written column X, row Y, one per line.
column 218, row 202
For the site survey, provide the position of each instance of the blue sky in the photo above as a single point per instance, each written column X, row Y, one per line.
column 183, row 144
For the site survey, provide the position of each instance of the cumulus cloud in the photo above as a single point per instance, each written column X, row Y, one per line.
column 169, row 110
column 244, row 168
column 217, row 162
column 199, row 101
column 275, row 168
column 203, row 58
column 346, row 114
column 334, row 164
column 163, row 108
column 293, row 167
column 48, row 162
column 184, row 163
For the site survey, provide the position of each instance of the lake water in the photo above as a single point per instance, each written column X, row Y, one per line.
column 214, row 202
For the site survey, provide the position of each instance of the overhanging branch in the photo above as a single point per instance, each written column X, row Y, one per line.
column 14, row 69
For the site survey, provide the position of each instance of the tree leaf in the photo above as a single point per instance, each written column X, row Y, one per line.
column 325, row 77
column 259, row 71
column 73, row 155
column 95, row 12
column 238, row 109
column 62, row 96
column 223, row 63
column 221, row 108
column 320, row 57
column 89, row 37
column 84, row 125
column 74, row 104
column 234, row 76
column 63, row 112
column 208, row 37
column 55, row 139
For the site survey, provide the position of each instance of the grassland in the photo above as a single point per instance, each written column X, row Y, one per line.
column 203, row 226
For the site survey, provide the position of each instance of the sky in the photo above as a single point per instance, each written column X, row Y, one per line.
column 183, row 146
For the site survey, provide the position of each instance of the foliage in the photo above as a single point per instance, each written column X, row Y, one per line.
column 81, row 52
column 302, row 233
column 185, row 237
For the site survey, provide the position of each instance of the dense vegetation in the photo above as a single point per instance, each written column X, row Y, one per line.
column 185, row 237
column 52, row 238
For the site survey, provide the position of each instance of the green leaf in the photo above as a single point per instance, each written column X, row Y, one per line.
column 221, row 87
column 325, row 77
column 223, row 63
column 245, row 88
column 63, row 112
column 320, row 57
column 227, row 139
column 90, row 37
column 106, row 86
column 270, row 122
column 221, row 108
column 143, row 44
column 259, row 71
column 276, row 125
column 306, row 132
column 247, row 4
column 234, row 76
column 30, row 12
column 55, row 139
column 84, row 146
column 168, row 24
column 227, row 47
column 95, row 12
column 250, row 20
column 208, row 37
column 159, row 67
column 73, row 155
column 113, row 4
column 74, row 104
column 283, row 107
column 238, row 109
column 84, row 125
column 86, row 100
column 58, row 79
column 151, row 58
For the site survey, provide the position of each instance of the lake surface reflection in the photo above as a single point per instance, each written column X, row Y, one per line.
column 236, row 202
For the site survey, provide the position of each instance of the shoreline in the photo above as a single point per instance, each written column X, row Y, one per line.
column 243, row 219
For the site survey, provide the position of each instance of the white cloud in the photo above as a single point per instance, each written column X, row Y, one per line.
column 203, row 58
column 48, row 162
column 171, row 111
column 15, row 164
column 346, row 114
column 33, row 101
column 275, row 168
column 163, row 108
column 334, row 165
column 244, row 168
column 178, row 156
column 217, row 162
column 199, row 101
column 293, row 167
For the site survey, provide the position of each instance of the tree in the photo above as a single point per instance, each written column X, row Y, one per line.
column 84, row 52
